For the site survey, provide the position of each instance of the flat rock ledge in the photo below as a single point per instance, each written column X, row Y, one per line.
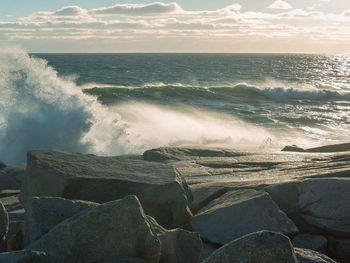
column 162, row 191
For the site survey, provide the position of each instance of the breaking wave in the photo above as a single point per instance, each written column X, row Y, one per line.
column 180, row 91
column 40, row 110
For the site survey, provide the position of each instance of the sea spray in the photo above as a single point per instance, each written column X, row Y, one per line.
column 39, row 109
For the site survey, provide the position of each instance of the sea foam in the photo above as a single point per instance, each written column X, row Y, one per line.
column 38, row 109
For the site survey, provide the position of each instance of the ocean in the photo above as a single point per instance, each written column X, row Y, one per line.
column 111, row 104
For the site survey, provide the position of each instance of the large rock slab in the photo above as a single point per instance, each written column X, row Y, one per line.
column 24, row 256
column 238, row 213
column 111, row 231
column 316, row 204
column 310, row 256
column 44, row 213
column 162, row 191
column 259, row 247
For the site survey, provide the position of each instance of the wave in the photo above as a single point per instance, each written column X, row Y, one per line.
column 182, row 91
column 38, row 109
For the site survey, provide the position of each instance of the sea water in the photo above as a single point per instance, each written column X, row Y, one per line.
column 111, row 104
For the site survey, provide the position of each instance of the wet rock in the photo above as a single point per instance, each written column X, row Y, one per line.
column 238, row 213
column 44, row 213
column 2, row 165
column 259, row 247
column 162, row 191
column 111, row 231
column 310, row 256
column 313, row 242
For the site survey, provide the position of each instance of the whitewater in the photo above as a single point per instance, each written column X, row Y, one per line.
column 111, row 104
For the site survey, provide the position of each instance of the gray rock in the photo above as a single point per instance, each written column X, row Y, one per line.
column 17, row 172
column 2, row 165
column 340, row 248
column 14, row 208
column 127, row 260
column 203, row 195
column 313, row 242
column 259, row 247
column 24, row 256
column 207, row 250
column 14, row 237
column 4, row 223
column 238, row 213
column 292, row 148
column 342, row 147
column 177, row 245
column 324, row 204
column 310, row 256
column 162, row 191
column 117, row 229
column 7, row 181
column 180, row 246
column 176, row 153
column 44, row 213
column 316, row 205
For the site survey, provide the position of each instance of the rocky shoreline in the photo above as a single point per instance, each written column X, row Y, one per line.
column 177, row 205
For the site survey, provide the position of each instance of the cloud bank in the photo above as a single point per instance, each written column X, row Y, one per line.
column 157, row 24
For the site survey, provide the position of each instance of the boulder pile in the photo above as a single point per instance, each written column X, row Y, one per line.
column 176, row 205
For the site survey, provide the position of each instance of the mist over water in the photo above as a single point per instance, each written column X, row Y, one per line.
column 40, row 109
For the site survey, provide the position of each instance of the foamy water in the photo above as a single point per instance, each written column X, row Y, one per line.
column 41, row 110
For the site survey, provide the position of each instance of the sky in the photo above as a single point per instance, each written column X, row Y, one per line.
column 220, row 26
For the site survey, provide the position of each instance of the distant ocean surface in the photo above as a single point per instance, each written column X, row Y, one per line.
column 113, row 104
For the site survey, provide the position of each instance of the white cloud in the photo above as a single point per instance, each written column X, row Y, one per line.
column 280, row 4
column 153, row 9
column 70, row 11
column 170, row 21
